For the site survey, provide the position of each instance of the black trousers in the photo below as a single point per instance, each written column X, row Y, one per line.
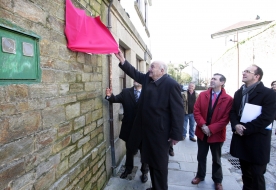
column 130, row 159
column 159, row 179
column 253, row 175
column 203, row 148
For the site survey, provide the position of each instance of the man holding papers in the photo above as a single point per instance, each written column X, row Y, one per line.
column 251, row 116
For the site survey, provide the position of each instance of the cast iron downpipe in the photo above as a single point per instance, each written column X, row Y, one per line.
column 111, row 128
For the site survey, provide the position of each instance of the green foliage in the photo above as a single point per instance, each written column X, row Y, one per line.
column 176, row 72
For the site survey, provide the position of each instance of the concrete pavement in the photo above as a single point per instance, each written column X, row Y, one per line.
column 182, row 169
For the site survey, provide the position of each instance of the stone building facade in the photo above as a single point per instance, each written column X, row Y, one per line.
column 259, row 49
column 54, row 132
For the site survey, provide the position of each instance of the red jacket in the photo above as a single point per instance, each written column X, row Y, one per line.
column 220, row 117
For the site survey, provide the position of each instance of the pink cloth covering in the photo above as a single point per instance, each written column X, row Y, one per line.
column 87, row 34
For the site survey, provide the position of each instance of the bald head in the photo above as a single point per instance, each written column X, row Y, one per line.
column 157, row 69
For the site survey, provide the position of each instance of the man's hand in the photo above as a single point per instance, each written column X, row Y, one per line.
column 173, row 142
column 239, row 129
column 108, row 92
column 205, row 129
column 120, row 56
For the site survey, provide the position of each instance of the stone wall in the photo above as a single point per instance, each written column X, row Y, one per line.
column 55, row 134
column 52, row 134
column 258, row 49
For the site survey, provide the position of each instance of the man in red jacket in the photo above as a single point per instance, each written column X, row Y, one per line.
column 211, row 112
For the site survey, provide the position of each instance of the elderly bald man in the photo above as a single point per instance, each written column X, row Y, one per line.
column 159, row 120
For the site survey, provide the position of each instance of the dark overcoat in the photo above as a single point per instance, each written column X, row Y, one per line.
column 254, row 145
column 160, row 116
column 127, row 99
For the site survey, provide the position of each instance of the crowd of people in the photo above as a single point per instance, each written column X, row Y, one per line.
column 157, row 116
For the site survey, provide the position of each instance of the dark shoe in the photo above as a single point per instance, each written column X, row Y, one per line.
column 124, row 174
column 183, row 138
column 196, row 180
column 171, row 153
column 149, row 188
column 144, row 178
column 193, row 139
column 218, row 186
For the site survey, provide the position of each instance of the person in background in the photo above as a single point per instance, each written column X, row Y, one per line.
column 159, row 120
column 251, row 141
column 129, row 98
column 273, row 87
column 211, row 112
column 189, row 98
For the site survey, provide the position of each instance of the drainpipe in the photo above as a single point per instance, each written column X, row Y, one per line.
column 111, row 127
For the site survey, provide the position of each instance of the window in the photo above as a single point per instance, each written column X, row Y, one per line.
column 122, row 74
column 19, row 56
column 138, row 65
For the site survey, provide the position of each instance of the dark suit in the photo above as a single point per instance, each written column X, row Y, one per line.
column 159, row 117
column 127, row 99
column 253, row 148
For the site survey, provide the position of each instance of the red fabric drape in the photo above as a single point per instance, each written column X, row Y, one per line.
column 87, row 34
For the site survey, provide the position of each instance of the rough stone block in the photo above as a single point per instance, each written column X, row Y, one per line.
column 64, row 129
column 45, row 138
column 22, row 107
column 86, row 77
column 87, row 106
column 89, row 128
column 7, row 109
column 88, row 118
column 48, row 76
column 11, row 172
column 80, row 57
column 101, row 181
column 82, row 96
column 47, row 166
column 55, row 24
column 89, row 86
column 62, row 144
column 49, row 48
column 76, row 136
column 43, row 91
column 90, row 145
column 53, row 116
column 97, row 114
column 98, row 102
column 16, row 150
column 62, row 167
column 75, row 157
column 46, row 180
column 83, row 141
column 72, row 111
column 76, row 87
column 67, row 151
column 24, row 182
column 87, row 68
column 63, row 89
column 79, row 122
column 66, row 54
column 69, row 77
column 16, row 92
column 32, row 160
column 2, row 94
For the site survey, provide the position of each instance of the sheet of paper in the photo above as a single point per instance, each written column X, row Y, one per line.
column 250, row 112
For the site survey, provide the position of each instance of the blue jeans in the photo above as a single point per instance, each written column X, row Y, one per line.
column 191, row 119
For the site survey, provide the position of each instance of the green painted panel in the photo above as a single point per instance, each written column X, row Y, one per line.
column 19, row 56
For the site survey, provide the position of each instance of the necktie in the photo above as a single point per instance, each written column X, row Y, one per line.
column 136, row 95
column 214, row 99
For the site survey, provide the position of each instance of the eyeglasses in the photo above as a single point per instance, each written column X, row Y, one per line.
column 247, row 71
